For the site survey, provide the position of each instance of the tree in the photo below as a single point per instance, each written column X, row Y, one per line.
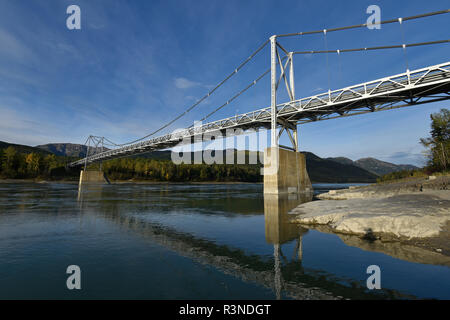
column 2, row 155
column 34, row 162
column 204, row 174
column 10, row 162
column 438, row 144
column 50, row 163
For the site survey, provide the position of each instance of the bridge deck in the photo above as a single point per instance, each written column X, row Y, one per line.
column 416, row 87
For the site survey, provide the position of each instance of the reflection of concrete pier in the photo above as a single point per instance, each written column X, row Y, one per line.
column 276, row 207
column 279, row 230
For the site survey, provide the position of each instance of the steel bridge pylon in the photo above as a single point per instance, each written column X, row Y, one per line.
column 93, row 175
column 284, row 166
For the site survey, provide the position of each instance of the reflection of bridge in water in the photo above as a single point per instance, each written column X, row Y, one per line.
column 286, row 277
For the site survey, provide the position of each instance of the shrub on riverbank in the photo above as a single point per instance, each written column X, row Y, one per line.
column 401, row 175
column 405, row 174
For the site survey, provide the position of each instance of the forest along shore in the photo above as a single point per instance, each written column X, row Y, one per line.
column 414, row 211
column 131, row 181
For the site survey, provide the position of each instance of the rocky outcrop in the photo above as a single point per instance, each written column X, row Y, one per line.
column 408, row 216
column 414, row 212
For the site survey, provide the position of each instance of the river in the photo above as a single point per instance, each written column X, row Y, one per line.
column 204, row 241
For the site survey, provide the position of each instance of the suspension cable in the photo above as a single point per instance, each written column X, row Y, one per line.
column 235, row 96
column 365, row 24
column 198, row 101
column 374, row 48
column 239, row 93
column 339, row 67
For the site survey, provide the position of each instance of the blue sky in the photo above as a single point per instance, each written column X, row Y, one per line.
column 136, row 64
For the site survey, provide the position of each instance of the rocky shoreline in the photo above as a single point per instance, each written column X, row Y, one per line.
column 414, row 211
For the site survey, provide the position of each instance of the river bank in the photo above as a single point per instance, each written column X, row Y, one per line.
column 5, row 181
column 413, row 211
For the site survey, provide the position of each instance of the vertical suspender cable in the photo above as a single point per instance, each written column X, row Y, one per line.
column 400, row 20
column 328, row 67
column 339, row 67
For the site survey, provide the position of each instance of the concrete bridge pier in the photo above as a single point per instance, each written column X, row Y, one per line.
column 285, row 172
column 92, row 177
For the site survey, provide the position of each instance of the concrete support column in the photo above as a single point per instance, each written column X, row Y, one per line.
column 273, row 90
column 285, row 172
column 92, row 177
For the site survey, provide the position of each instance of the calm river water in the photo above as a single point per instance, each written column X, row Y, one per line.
column 151, row 241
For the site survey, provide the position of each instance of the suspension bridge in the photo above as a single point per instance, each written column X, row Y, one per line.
column 412, row 87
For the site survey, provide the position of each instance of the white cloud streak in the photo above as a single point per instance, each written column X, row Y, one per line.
column 183, row 83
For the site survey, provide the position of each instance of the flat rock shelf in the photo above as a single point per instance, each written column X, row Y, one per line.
column 416, row 211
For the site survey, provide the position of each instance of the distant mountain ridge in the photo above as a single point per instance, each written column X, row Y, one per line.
column 375, row 166
column 65, row 149
column 325, row 170
column 23, row 148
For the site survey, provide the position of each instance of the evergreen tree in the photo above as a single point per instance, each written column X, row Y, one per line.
column 438, row 144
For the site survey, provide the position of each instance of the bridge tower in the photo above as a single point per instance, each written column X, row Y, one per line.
column 284, row 166
column 93, row 176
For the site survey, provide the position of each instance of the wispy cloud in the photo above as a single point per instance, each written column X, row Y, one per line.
column 18, row 127
column 406, row 157
column 13, row 48
column 183, row 83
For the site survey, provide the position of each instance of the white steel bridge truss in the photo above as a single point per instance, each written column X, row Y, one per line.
column 406, row 89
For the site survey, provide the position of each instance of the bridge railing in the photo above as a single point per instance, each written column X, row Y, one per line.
column 420, row 77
